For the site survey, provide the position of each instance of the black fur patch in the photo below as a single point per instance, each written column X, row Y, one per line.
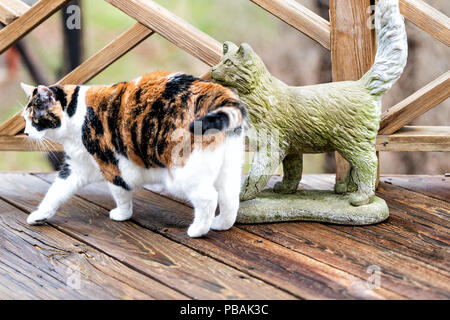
column 218, row 120
column 47, row 121
column 92, row 145
column 176, row 85
column 94, row 121
column 138, row 96
column 150, row 129
column 60, row 95
column 118, row 181
column 72, row 107
column 114, row 121
column 64, row 171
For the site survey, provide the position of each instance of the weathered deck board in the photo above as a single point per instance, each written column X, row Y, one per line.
column 46, row 253
column 276, row 261
column 298, row 273
column 417, row 247
column 431, row 186
column 172, row 264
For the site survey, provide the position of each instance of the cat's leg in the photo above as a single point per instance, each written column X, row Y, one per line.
column 228, row 185
column 364, row 174
column 60, row 191
column 204, row 200
column 263, row 166
column 124, row 202
column 292, row 174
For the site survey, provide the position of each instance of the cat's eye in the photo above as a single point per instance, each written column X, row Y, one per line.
column 35, row 120
column 228, row 62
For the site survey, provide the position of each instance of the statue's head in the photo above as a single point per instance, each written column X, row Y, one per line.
column 239, row 67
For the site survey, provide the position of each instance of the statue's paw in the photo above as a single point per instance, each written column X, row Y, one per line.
column 341, row 187
column 247, row 196
column 359, row 198
column 286, row 188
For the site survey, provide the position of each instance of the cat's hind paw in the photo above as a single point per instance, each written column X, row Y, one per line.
column 221, row 224
column 197, row 230
column 39, row 217
column 118, row 214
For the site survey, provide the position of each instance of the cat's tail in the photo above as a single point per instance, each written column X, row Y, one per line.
column 229, row 115
column 392, row 51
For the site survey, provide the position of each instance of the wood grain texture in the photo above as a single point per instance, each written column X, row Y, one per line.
column 354, row 249
column 410, row 249
column 10, row 10
column 433, row 186
column 155, row 256
column 28, row 21
column 173, row 28
column 436, row 23
column 352, row 49
column 297, row 273
column 416, row 104
column 416, row 138
column 299, row 17
column 39, row 262
column 87, row 70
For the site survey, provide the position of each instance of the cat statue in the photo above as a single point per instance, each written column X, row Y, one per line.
column 338, row 116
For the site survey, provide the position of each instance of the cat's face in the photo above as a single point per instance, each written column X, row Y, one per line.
column 238, row 67
column 43, row 110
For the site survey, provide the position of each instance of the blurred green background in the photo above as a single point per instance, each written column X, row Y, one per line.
column 288, row 54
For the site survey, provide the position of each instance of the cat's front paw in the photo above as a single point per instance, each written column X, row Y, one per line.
column 39, row 217
column 118, row 214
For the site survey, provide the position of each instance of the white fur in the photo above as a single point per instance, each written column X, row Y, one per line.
column 208, row 177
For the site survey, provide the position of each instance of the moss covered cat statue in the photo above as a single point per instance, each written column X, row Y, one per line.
column 338, row 116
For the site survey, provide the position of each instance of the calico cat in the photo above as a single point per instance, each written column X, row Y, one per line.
column 339, row 116
column 171, row 129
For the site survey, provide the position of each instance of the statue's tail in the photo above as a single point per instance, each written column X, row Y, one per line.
column 392, row 51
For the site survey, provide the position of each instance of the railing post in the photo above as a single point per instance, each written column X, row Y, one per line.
column 352, row 48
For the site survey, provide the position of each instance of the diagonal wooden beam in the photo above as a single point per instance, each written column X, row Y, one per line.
column 415, row 105
column 299, row 17
column 427, row 18
column 28, row 21
column 10, row 10
column 90, row 68
column 110, row 53
column 173, row 28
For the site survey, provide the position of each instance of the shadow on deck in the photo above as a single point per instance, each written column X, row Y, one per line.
column 82, row 254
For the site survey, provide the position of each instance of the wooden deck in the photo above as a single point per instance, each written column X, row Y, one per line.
column 82, row 254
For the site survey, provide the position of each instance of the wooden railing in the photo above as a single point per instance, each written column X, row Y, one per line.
column 351, row 56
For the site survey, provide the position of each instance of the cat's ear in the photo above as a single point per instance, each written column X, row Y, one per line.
column 227, row 46
column 45, row 94
column 245, row 51
column 27, row 89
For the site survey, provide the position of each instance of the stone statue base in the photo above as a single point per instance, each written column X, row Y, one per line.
column 310, row 205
